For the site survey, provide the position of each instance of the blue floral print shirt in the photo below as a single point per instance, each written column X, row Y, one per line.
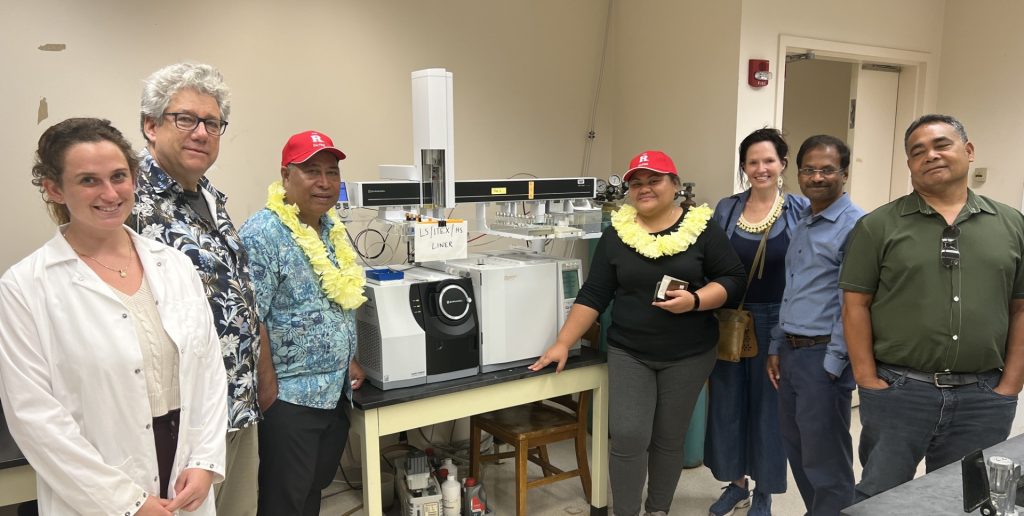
column 312, row 339
column 162, row 213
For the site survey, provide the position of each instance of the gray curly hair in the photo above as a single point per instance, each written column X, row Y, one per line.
column 159, row 87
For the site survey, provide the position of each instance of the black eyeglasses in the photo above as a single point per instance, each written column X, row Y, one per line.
column 949, row 249
column 825, row 172
column 188, row 122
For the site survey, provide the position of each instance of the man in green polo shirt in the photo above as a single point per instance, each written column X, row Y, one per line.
column 934, row 314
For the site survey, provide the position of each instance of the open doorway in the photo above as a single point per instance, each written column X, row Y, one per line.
column 865, row 95
column 855, row 102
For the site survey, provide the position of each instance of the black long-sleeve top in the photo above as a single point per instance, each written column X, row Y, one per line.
column 619, row 273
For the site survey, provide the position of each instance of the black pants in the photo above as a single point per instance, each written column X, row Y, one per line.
column 300, row 448
column 165, row 435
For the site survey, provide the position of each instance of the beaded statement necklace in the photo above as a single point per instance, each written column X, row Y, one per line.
column 693, row 224
column 765, row 223
column 343, row 284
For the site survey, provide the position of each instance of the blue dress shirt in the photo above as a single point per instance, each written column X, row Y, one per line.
column 812, row 301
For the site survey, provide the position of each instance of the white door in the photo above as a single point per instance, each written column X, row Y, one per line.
column 872, row 137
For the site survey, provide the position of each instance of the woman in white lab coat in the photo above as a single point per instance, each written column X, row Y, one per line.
column 111, row 375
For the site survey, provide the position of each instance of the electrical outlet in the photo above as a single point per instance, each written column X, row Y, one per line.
column 980, row 174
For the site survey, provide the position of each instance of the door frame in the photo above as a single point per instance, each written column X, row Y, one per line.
column 914, row 98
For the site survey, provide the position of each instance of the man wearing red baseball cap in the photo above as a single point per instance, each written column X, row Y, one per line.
column 308, row 286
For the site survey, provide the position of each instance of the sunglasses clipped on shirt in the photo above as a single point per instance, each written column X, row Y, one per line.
column 949, row 248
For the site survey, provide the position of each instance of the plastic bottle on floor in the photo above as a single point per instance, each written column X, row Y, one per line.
column 474, row 500
column 451, row 497
column 453, row 470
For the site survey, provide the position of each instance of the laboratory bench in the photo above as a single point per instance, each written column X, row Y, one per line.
column 937, row 493
column 378, row 413
column 17, row 480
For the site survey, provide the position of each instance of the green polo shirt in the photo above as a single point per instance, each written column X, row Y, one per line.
column 924, row 315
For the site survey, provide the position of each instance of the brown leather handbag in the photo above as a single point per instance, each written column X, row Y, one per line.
column 736, row 337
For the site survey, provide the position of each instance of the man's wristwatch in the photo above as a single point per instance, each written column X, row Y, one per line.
column 696, row 301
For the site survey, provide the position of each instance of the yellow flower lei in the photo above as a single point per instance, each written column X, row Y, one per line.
column 342, row 284
column 693, row 224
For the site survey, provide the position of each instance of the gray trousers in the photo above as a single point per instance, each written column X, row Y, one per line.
column 649, row 409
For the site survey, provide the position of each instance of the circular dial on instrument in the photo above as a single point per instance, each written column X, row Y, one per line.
column 454, row 303
column 614, row 180
column 602, row 186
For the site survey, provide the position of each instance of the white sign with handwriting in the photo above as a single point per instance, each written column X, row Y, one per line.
column 436, row 242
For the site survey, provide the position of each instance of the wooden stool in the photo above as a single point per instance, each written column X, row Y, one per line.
column 529, row 429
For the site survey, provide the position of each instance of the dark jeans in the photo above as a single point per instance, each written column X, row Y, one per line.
column 912, row 420
column 743, row 435
column 814, row 414
column 649, row 409
column 300, row 448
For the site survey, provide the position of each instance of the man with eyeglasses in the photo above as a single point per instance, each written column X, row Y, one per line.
column 807, row 358
column 184, row 112
column 308, row 286
column 934, row 314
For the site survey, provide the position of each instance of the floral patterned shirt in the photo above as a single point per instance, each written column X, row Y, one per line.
column 163, row 213
column 312, row 339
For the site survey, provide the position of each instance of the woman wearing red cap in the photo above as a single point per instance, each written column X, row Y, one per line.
column 659, row 352
column 743, row 436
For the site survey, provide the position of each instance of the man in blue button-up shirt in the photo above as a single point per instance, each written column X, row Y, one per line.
column 808, row 362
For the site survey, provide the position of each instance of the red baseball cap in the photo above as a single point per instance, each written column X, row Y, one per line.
column 655, row 161
column 303, row 146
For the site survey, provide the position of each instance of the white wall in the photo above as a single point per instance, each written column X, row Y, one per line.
column 673, row 68
column 980, row 84
column 905, row 25
column 525, row 75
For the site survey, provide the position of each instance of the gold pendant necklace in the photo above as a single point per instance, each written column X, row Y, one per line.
column 120, row 272
column 760, row 227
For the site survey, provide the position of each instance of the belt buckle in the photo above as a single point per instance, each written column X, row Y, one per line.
column 935, row 380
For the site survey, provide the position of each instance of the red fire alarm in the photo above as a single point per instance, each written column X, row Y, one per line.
column 757, row 73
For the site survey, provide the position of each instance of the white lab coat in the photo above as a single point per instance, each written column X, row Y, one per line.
column 73, row 388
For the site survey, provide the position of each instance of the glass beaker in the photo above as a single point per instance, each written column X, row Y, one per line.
column 1002, row 485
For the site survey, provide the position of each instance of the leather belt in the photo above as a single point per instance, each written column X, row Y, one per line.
column 803, row 341
column 942, row 379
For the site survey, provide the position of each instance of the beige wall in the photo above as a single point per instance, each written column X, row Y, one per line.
column 673, row 64
column 525, row 78
column 980, row 84
column 905, row 25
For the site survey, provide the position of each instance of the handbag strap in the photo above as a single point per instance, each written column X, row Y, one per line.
column 758, row 263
